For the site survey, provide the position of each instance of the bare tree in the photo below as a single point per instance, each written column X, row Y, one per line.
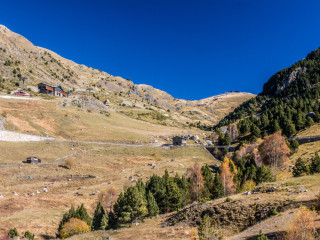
column 275, row 152
column 196, row 174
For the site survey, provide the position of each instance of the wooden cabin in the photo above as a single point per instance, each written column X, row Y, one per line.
column 52, row 90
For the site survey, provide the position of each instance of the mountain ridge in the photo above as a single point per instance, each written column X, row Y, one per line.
column 21, row 58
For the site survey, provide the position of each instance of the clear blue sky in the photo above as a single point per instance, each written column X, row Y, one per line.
column 190, row 49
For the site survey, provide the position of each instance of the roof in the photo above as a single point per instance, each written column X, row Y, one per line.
column 52, row 86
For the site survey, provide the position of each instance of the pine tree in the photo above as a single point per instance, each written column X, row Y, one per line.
column 104, row 222
column 275, row 126
column 315, row 164
column 309, row 122
column 255, row 131
column 130, row 206
column 299, row 168
column 217, row 190
column 99, row 213
column 66, row 217
column 174, row 197
column 227, row 140
column 157, row 187
column 153, row 208
column 83, row 215
column 263, row 174
column 141, row 187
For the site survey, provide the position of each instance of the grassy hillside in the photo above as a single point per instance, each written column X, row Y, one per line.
column 19, row 58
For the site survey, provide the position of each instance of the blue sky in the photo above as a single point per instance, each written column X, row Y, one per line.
column 190, row 49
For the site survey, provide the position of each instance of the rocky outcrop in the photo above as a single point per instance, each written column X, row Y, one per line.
column 236, row 215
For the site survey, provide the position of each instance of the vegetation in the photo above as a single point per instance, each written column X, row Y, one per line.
column 13, row 233
column 73, row 227
column 208, row 230
column 289, row 101
column 261, row 236
column 303, row 225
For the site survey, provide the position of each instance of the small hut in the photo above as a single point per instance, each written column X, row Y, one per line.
column 33, row 159
column 179, row 141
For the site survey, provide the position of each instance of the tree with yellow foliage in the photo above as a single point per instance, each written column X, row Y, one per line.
column 227, row 176
column 73, row 227
column 303, row 226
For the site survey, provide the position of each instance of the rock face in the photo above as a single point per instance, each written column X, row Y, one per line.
column 286, row 82
column 235, row 215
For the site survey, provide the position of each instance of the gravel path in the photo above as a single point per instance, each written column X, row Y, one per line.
column 9, row 136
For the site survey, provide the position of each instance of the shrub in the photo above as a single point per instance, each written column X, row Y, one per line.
column 261, row 236
column 248, row 186
column 13, row 233
column 73, row 227
column 28, row 235
column 70, row 163
column 228, row 199
column 274, row 212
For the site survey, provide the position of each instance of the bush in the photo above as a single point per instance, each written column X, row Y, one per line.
column 248, row 186
column 274, row 212
column 13, row 233
column 261, row 236
column 73, row 227
column 28, row 235
column 70, row 163
column 228, row 199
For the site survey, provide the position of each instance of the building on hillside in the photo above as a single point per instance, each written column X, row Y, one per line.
column 52, row 90
column 179, row 141
column 33, row 159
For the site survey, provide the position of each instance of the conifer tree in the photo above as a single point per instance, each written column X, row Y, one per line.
column 157, row 187
column 83, row 215
column 99, row 213
column 104, row 222
column 227, row 140
column 153, row 208
column 174, row 197
column 66, row 217
column 275, row 126
column 130, row 206
column 315, row 164
column 217, row 187
column 299, row 168
column 263, row 174
column 309, row 122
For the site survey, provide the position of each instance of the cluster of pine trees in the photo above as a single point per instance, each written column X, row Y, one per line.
column 302, row 167
column 162, row 194
column 285, row 103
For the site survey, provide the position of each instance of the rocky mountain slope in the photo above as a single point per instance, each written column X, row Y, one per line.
column 289, row 101
column 20, row 58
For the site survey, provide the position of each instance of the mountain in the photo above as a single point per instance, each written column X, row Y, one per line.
column 289, row 101
column 20, row 58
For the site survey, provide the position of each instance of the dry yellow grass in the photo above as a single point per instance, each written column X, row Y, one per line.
column 111, row 166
